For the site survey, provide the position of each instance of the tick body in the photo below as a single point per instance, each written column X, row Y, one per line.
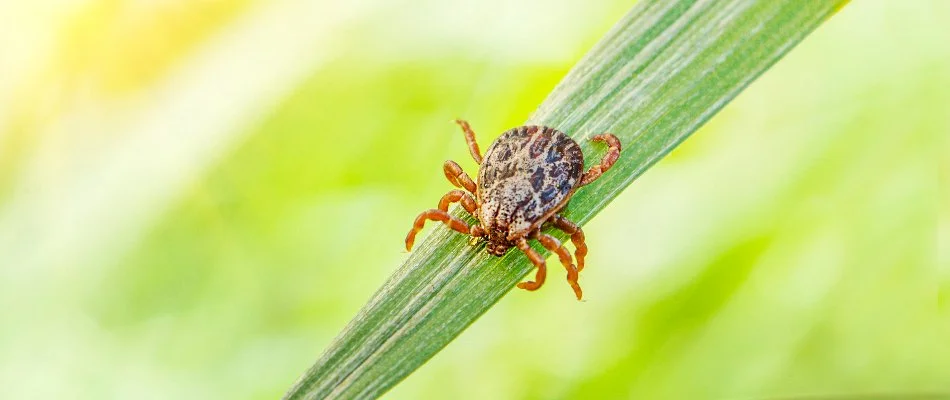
column 526, row 178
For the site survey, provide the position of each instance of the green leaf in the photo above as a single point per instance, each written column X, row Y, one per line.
column 658, row 75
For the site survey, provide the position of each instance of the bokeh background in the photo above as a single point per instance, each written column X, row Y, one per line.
column 196, row 196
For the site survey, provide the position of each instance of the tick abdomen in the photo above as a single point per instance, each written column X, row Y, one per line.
column 528, row 173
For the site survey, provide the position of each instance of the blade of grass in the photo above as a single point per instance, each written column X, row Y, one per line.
column 658, row 75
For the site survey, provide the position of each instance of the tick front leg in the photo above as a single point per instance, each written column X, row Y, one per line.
column 465, row 199
column 551, row 243
column 537, row 261
column 458, row 177
column 470, row 139
column 577, row 237
column 435, row 215
column 613, row 153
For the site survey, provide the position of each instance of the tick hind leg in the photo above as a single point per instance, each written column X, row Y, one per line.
column 554, row 245
column 435, row 215
column 470, row 139
column 613, row 153
column 538, row 262
column 577, row 237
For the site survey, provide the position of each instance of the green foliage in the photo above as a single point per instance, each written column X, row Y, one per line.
column 664, row 70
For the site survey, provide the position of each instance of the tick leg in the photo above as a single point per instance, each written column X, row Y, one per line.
column 577, row 237
column 554, row 245
column 465, row 199
column 478, row 231
column 457, row 176
column 435, row 215
column 470, row 139
column 613, row 153
column 537, row 261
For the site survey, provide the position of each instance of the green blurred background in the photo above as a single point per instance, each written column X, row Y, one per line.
column 196, row 196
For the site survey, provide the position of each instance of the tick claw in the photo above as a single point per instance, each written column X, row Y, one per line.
column 529, row 286
column 577, row 290
column 410, row 239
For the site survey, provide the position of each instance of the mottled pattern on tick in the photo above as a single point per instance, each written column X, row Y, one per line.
column 528, row 174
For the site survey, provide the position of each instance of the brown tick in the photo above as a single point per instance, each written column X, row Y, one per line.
column 527, row 176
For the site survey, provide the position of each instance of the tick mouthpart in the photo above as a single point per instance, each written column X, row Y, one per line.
column 497, row 249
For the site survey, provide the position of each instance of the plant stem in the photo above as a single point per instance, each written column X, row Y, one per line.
column 658, row 75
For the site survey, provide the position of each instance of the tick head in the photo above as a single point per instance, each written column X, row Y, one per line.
column 498, row 243
column 497, row 248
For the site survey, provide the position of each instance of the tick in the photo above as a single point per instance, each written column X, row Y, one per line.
column 526, row 178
